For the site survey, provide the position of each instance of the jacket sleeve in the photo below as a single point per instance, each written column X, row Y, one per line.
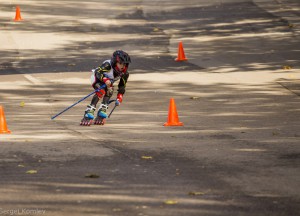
column 105, row 67
column 122, row 83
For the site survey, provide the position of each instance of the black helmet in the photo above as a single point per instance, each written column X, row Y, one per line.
column 121, row 57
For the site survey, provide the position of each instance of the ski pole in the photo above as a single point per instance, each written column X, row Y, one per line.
column 82, row 99
column 112, row 111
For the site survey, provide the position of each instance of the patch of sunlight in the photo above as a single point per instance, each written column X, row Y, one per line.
column 266, row 195
column 35, row 104
column 173, row 77
column 211, row 38
column 246, row 21
column 39, row 41
column 224, row 30
column 30, row 138
column 29, row 115
column 250, row 150
column 258, row 66
column 206, row 77
column 235, row 114
column 19, row 191
column 159, row 5
column 240, row 22
column 72, row 80
column 239, row 128
column 116, row 37
column 151, row 53
column 180, row 130
column 113, row 22
column 128, row 125
column 69, row 185
column 11, row 85
column 47, row 41
column 162, row 130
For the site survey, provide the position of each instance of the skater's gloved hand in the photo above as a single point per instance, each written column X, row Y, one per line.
column 100, row 93
column 119, row 99
column 118, row 102
column 110, row 91
column 107, row 82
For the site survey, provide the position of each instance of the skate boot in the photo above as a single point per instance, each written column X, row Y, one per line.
column 88, row 117
column 101, row 115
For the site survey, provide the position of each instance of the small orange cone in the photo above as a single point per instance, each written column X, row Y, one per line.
column 173, row 119
column 18, row 14
column 3, row 126
column 181, row 55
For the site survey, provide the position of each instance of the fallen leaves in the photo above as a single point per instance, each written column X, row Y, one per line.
column 92, row 175
column 196, row 193
column 147, row 157
column 31, row 172
column 171, row 202
column 191, row 193
column 291, row 25
column 286, row 67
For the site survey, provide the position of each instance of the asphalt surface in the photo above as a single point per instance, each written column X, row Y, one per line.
column 237, row 95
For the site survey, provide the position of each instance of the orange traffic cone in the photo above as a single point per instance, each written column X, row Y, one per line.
column 18, row 14
column 181, row 55
column 3, row 126
column 173, row 119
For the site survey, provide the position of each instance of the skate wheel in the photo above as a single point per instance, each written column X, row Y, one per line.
column 85, row 122
column 99, row 121
column 82, row 123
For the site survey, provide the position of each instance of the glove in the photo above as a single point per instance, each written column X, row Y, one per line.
column 107, row 82
column 119, row 99
column 100, row 93
column 109, row 86
column 110, row 91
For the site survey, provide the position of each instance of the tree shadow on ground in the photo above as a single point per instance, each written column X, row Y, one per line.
column 239, row 120
column 232, row 35
column 242, row 120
